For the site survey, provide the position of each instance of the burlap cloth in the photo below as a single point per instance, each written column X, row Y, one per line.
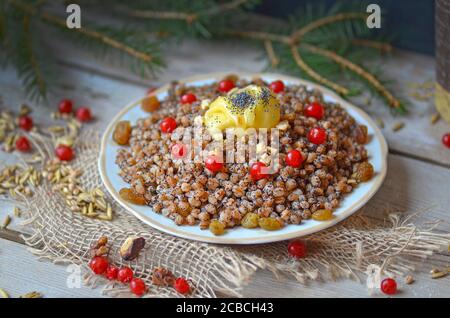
column 356, row 248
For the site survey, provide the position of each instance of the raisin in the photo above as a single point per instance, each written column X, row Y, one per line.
column 250, row 220
column 216, row 227
column 270, row 224
column 131, row 196
column 322, row 215
column 364, row 172
column 150, row 103
column 122, row 132
column 361, row 134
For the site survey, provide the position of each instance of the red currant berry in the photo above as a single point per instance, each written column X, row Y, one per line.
column 446, row 140
column 111, row 272
column 315, row 110
column 168, row 125
column 22, row 144
column 125, row 275
column 297, row 249
column 65, row 106
column 64, row 153
column 277, row 86
column 83, row 114
column 138, row 287
column 188, row 98
column 225, row 86
column 182, row 286
column 294, row 158
column 317, row 135
column 213, row 164
column 256, row 171
column 99, row 264
column 25, row 122
column 178, row 151
column 389, row 286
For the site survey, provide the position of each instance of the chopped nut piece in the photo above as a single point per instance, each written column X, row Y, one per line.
column 409, row 280
column 131, row 247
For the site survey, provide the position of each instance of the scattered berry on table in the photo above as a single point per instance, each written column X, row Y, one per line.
column 137, row 286
column 64, row 153
column 182, row 285
column 294, row 158
column 213, row 164
column 389, row 286
column 83, row 114
column 168, row 125
column 256, row 171
column 25, row 122
column 225, row 86
column 297, row 249
column 178, row 150
column 188, row 98
column 277, row 86
column 317, row 135
column 446, row 140
column 23, row 144
column 111, row 272
column 65, row 106
column 315, row 110
column 125, row 275
column 99, row 264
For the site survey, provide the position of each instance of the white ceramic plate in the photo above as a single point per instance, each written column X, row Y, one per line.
column 377, row 149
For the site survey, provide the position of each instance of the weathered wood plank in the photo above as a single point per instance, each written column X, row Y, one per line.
column 21, row 272
column 29, row 274
column 418, row 139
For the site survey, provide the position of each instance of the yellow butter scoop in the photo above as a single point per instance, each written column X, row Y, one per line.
column 249, row 107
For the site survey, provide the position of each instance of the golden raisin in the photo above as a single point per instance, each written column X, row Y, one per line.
column 150, row 103
column 122, row 132
column 270, row 224
column 131, row 196
column 322, row 215
column 364, row 172
column 250, row 220
column 216, row 227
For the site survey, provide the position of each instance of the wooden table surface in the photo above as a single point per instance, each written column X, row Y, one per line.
column 418, row 176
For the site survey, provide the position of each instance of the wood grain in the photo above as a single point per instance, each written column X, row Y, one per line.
column 418, row 176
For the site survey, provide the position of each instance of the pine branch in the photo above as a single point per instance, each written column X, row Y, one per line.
column 106, row 40
column 313, row 74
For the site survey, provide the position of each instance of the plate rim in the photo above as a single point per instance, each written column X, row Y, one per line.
column 271, row 236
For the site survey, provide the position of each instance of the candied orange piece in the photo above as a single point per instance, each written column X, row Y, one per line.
column 322, row 215
column 150, row 103
column 270, row 224
column 131, row 196
column 364, row 172
column 122, row 132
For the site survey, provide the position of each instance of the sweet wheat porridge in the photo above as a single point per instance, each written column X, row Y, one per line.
column 320, row 156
